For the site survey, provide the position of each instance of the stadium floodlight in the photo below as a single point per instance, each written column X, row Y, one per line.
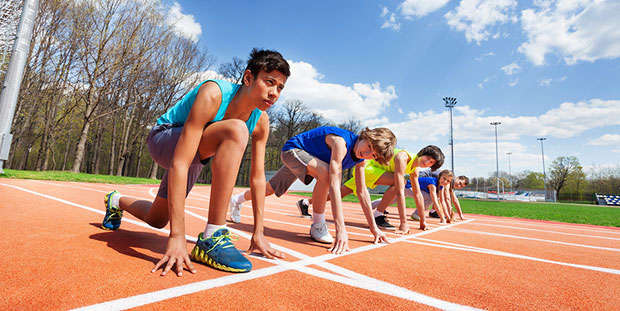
column 509, row 169
column 543, row 161
column 496, row 157
column 450, row 102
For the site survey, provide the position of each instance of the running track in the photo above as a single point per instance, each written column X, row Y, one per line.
column 55, row 256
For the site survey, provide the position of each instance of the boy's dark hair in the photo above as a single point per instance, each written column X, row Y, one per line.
column 465, row 179
column 434, row 153
column 267, row 60
column 382, row 141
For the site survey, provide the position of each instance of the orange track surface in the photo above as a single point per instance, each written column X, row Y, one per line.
column 56, row 257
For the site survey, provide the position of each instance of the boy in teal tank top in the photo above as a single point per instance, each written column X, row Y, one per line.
column 214, row 120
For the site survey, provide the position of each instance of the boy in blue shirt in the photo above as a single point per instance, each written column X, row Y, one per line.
column 215, row 120
column 429, row 188
column 323, row 153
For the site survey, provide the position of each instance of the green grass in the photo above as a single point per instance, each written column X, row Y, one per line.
column 82, row 177
column 562, row 212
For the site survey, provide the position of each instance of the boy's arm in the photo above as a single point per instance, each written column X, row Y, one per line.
column 257, row 188
column 439, row 207
column 400, row 164
column 176, row 250
column 457, row 204
column 364, row 197
column 339, row 150
column 417, row 197
column 445, row 203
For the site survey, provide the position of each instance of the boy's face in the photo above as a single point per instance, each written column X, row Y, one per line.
column 426, row 161
column 266, row 87
column 363, row 150
column 459, row 183
column 445, row 180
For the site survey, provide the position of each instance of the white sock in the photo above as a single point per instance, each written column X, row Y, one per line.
column 377, row 213
column 115, row 200
column 375, row 203
column 318, row 218
column 210, row 229
column 305, row 201
column 239, row 198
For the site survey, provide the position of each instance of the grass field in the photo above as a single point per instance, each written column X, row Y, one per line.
column 562, row 212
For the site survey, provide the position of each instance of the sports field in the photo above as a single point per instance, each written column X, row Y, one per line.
column 57, row 257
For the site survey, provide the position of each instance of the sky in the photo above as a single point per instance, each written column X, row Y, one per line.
column 542, row 68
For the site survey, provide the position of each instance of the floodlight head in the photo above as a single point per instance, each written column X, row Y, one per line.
column 541, row 138
column 450, row 101
column 496, row 123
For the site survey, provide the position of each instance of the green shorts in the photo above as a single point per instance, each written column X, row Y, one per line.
column 372, row 174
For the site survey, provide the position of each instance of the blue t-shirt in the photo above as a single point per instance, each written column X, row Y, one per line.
column 178, row 113
column 313, row 142
column 424, row 183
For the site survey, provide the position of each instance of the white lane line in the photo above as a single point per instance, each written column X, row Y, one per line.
column 505, row 254
column 556, row 225
column 365, row 282
column 152, row 193
column 534, row 239
column 550, row 231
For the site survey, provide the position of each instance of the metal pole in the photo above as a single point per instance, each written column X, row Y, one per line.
column 14, row 75
column 496, row 157
column 450, row 102
column 542, row 148
column 509, row 169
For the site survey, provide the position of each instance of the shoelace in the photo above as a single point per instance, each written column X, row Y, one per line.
column 115, row 213
column 222, row 239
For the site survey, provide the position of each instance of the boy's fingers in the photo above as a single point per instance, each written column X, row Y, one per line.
column 189, row 265
column 160, row 263
column 179, row 268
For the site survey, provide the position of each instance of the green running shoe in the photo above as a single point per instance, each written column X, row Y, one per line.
column 113, row 214
column 218, row 252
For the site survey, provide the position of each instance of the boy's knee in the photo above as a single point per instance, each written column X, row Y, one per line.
column 158, row 223
column 237, row 132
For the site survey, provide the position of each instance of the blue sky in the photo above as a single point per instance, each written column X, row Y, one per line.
column 542, row 68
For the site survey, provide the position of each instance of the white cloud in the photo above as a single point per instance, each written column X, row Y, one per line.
column 390, row 22
column 419, row 8
column 334, row 101
column 565, row 121
column 476, row 17
column 481, row 57
column 548, row 81
column 513, row 82
column 183, row 24
column 545, row 82
column 606, row 140
column 510, row 69
column 584, row 30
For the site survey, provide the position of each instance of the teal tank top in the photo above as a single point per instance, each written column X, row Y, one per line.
column 177, row 114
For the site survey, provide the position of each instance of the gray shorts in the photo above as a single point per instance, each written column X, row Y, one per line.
column 428, row 201
column 295, row 167
column 162, row 141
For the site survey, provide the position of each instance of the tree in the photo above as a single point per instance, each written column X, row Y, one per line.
column 529, row 180
column 233, row 70
column 564, row 169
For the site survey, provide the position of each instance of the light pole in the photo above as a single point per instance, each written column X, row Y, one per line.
column 450, row 103
column 496, row 157
column 543, row 160
column 509, row 170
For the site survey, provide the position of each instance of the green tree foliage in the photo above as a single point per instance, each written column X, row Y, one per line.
column 565, row 171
